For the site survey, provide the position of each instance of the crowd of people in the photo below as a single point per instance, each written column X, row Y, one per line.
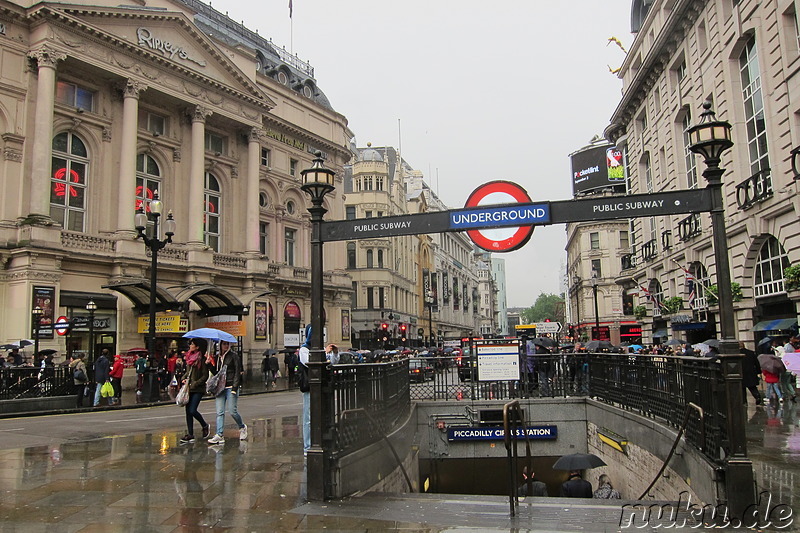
column 574, row 487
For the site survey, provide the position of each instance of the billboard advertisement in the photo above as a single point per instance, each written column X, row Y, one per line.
column 597, row 167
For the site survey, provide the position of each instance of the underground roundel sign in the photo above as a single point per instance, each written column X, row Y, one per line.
column 499, row 239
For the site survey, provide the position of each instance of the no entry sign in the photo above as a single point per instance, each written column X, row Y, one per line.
column 499, row 239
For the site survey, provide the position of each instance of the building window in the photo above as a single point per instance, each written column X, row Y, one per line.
column 288, row 246
column 156, row 124
column 266, row 156
column 369, row 258
column 148, row 182
column 290, row 207
column 754, row 108
column 350, row 212
column 211, row 226
column 680, row 70
column 263, row 200
column 380, row 258
column 624, row 243
column 648, row 174
column 370, row 297
column 263, row 238
column 354, row 297
column 594, row 240
column 367, row 183
column 70, row 162
column 293, row 167
column 772, row 261
column 215, row 143
column 382, row 297
column 351, row 255
column 74, row 96
column 368, row 214
column 688, row 156
column 379, row 183
column 596, row 267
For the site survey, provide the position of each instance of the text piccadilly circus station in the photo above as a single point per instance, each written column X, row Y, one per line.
column 498, row 433
column 500, row 216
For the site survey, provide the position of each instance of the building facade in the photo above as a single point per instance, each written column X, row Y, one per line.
column 742, row 56
column 100, row 108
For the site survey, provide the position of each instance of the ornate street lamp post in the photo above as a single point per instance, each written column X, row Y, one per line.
column 429, row 299
column 317, row 182
column 154, row 244
column 36, row 319
column 91, row 307
column 596, row 308
column 710, row 138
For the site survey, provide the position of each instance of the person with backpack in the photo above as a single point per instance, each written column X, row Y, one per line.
column 141, row 370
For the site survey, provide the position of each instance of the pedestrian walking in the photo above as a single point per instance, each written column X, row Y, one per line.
column 79, row 377
column 531, row 485
column 196, row 375
column 305, row 389
column 274, row 369
column 116, row 378
column 229, row 397
column 751, row 374
column 788, row 382
column 290, row 362
column 102, row 369
column 576, row 487
column 605, row 491
column 141, row 369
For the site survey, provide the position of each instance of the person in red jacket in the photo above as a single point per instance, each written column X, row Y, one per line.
column 773, row 385
column 116, row 378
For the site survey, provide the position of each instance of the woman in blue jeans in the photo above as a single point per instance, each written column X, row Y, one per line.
column 229, row 397
column 197, row 375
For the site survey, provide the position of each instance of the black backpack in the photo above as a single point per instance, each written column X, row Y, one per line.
column 302, row 378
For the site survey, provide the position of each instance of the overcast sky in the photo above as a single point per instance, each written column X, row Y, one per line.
column 482, row 91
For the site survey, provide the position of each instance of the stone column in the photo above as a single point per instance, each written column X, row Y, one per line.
column 197, row 176
column 127, row 156
column 252, row 205
column 47, row 59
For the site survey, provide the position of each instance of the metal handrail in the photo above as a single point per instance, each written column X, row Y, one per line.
column 511, row 435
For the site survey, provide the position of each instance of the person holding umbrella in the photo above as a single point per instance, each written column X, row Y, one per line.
column 230, row 394
column 196, row 375
column 772, row 367
column 575, row 486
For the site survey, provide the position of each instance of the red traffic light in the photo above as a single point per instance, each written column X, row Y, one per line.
column 402, row 327
column 385, row 326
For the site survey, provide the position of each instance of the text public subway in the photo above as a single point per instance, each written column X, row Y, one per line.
column 627, row 206
column 382, row 226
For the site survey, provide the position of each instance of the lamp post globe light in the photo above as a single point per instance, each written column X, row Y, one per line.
column 91, row 307
column 710, row 138
column 36, row 318
column 317, row 182
column 154, row 244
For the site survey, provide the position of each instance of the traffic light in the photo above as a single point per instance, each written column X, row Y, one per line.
column 403, row 329
column 385, row 331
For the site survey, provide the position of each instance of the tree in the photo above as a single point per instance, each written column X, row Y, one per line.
column 546, row 306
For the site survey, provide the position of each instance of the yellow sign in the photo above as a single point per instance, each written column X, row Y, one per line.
column 165, row 324
column 519, row 327
column 236, row 327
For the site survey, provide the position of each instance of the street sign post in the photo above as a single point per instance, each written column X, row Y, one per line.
column 547, row 327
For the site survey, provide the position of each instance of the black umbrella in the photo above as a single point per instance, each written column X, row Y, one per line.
column 765, row 340
column 47, row 351
column 578, row 461
column 592, row 346
column 674, row 342
column 771, row 363
column 714, row 343
column 544, row 342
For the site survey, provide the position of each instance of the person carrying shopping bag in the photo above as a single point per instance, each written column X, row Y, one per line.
column 229, row 396
column 196, row 376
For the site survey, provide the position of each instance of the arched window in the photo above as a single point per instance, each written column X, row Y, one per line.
column 351, row 255
column 70, row 162
column 211, row 227
column 380, row 258
column 688, row 155
column 148, row 182
column 697, row 282
column 771, row 263
column 369, row 258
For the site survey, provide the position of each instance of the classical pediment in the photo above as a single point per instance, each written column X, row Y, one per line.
column 155, row 41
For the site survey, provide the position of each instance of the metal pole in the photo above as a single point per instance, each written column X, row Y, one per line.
column 153, row 244
column 36, row 319
column 91, row 335
column 319, row 468
column 596, row 309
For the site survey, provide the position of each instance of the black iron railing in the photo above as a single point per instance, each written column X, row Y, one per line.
column 379, row 389
column 650, row 250
column 689, row 227
column 31, row 382
column 754, row 189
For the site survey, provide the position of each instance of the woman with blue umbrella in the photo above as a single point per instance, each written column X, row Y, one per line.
column 196, row 375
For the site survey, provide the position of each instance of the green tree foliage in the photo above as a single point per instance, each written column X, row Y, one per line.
column 546, row 306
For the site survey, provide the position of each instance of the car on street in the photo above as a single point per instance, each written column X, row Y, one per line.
column 420, row 370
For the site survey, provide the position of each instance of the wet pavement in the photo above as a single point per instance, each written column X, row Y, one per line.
column 124, row 470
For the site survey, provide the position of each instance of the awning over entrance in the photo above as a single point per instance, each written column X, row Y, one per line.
column 660, row 333
column 212, row 300
column 781, row 324
column 138, row 292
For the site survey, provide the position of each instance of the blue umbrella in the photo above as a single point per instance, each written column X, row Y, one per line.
column 635, row 346
column 212, row 334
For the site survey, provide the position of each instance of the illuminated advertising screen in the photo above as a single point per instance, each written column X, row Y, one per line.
column 597, row 167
